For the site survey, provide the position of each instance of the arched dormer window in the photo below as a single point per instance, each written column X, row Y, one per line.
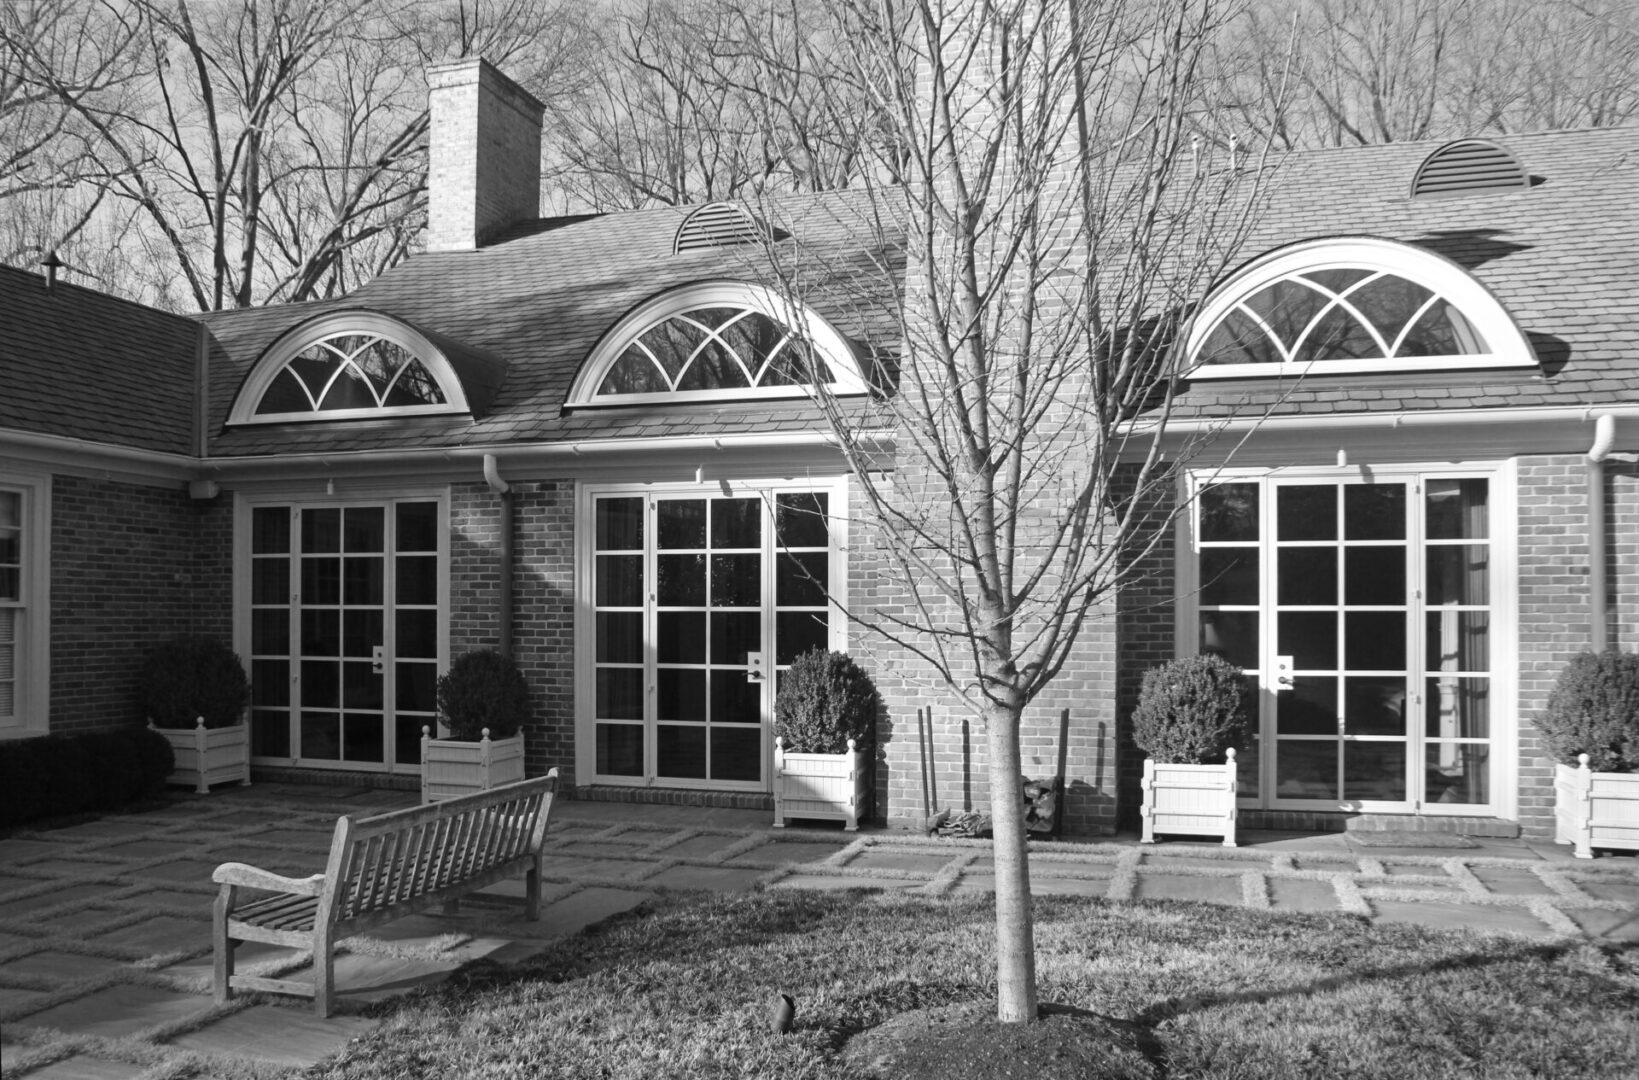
column 1351, row 305
column 351, row 365
column 715, row 342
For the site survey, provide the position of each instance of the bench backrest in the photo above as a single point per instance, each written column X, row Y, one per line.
column 376, row 862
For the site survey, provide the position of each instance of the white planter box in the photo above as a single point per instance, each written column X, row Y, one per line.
column 830, row 787
column 452, row 768
column 1195, row 800
column 1595, row 809
column 206, row 756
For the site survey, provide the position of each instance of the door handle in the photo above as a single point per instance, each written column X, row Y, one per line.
column 378, row 660
column 754, row 667
column 1283, row 673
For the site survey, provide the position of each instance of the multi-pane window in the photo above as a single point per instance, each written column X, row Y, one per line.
column 698, row 603
column 718, row 348
column 1361, row 611
column 349, row 373
column 12, row 608
column 344, row 631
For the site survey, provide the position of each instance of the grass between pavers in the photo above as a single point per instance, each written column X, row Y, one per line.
column 686, row 990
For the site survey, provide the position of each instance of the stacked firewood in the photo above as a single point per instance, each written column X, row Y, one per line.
column 1041, row 801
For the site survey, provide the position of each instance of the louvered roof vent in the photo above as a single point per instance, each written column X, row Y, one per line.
column 717, row 225
column 1465, row 166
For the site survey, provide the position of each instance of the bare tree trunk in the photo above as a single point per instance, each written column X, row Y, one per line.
column 1015, row 924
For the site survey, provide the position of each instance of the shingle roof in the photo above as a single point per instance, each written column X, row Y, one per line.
column 1561, row 255
column 539, row 298
column 82, row 364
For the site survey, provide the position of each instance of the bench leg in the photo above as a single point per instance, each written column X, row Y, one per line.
column 222, row 945
column 532, row 892
column 324, row 971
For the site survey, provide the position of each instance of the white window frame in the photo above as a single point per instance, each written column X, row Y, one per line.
column 32, row 712
column 836, row 488
column 1504, row 607
column 1506, row 344
column 369, row 323
column 308, row 498
column 804, row 323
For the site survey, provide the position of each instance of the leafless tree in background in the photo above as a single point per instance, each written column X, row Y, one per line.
column 1354, row 72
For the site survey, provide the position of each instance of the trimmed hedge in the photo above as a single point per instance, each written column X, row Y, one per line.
column 1594, row 710
column 71, row 774
column 483, row 689
column 1191, row 710
column 824, row 700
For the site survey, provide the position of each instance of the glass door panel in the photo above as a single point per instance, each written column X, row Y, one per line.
column 344, row 635
column 1360, row 609
column 739, row 582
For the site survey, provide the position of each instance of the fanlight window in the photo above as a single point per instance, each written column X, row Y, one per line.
column 1352, row 306
column 1340, row 314
column 716, row 341
column 713, row 348
column 346, row 372
column 356, row 364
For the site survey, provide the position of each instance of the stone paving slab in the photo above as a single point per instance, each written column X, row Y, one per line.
column 83, row 1067
column 1440, row 915
column 119, row 1010
column 282, row 1035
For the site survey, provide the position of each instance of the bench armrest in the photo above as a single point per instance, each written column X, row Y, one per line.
column 234, row 873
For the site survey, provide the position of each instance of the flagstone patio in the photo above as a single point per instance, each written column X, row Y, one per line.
column 105, row 963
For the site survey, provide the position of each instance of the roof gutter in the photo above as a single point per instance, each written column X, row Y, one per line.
column 1422, row 418
column 1598, row 602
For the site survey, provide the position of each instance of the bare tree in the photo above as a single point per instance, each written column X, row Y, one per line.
column 276, row 149
column 1355, row 72
column 701, row 100
column 1052, row 233
column 54, row 53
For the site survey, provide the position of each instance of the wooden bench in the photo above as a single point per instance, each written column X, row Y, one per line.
column 380, row 869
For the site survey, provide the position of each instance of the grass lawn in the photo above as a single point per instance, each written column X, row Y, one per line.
column 688, row 990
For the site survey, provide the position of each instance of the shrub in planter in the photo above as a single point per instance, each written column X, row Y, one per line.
column 1594, row 710
column 825, row 723
column 1191, row 710
column 825, row 699
column 483, row 689
column 1191, row 714
column 190, row 677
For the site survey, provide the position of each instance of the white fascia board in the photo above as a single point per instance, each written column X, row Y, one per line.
column 1425, row 435
column 722, row 456
column 63, row 454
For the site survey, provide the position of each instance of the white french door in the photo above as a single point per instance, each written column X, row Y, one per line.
column 1364, row 609
column 698, row 599
column 345, row 633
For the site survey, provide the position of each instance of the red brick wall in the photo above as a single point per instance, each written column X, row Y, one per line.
column 1554, row 577
column 130, row 565
column 543, row 624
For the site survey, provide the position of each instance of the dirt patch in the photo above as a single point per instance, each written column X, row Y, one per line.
column 967, row 1042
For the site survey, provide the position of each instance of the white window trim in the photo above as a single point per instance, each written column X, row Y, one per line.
column 307, row 497
column 1507, row 344
column 33, row 687
column 1504, row 607
column 815, row 331
column 835, row 487
column 300, row 338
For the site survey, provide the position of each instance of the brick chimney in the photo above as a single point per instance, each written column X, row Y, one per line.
column 484, row 154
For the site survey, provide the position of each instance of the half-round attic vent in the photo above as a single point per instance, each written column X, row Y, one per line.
column 1465, row 166
column 717, row 225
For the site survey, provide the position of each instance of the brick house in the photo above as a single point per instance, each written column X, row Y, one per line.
column 1427, row 372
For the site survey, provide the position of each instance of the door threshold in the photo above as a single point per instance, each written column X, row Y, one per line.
column 726, row 800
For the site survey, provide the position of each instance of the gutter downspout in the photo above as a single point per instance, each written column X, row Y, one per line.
column 1604, row 436
column 492, row 475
